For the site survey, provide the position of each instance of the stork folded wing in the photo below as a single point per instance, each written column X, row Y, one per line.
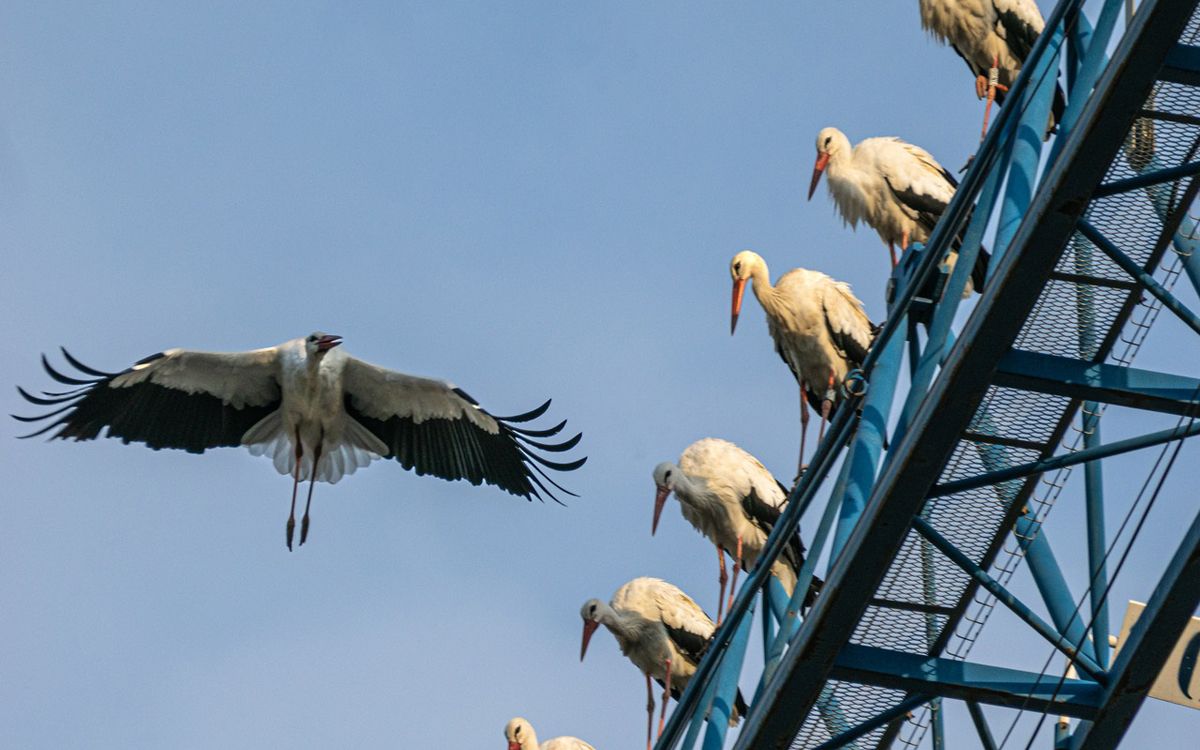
column 432, row 427
column 174, row 399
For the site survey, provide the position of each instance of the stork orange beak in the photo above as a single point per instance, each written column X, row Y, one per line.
column 739, row 287
column 325, row 343
column 514, row 746
column 660, row 499
column 589, row 627
column 818, row 168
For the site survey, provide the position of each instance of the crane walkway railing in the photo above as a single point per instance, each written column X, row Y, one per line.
column 1092, row 231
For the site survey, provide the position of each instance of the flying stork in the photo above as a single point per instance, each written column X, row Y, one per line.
column 317, row 412
column 819, row 327
column 731, row 498
column 520, row 735
column 662, row 631
column 896, row 188
column 993, row 37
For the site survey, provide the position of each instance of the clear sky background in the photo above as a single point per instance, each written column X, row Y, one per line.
column 532, row 200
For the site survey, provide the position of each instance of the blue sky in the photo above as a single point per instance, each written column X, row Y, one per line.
column 534, row 200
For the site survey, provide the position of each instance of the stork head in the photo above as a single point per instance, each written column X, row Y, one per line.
column 741, row 268
column 318, row 343
column 830, row 143
column 591, row 612
column 664, row 482
column 519, row 734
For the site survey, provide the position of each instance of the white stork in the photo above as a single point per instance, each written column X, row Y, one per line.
column 520, row 735
column 317, row 412
column 662, row 631
column 731, row 498
column 993, row 37
column 896, row 188
column 819, row 327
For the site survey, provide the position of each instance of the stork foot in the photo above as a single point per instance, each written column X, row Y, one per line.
column 303, row 530
column 291, row 531
column 981, row 86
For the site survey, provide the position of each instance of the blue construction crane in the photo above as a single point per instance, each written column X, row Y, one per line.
column 936, row 495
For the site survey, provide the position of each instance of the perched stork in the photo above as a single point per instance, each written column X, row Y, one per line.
column 819, row 327
column 317, row 412
column 662, row 631
column 896, row 188
column 520, row 736
column 731, row 498
column 993, row 37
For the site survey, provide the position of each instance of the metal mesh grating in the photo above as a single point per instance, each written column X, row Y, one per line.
column 1091, row 310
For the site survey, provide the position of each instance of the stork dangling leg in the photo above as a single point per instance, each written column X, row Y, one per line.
column 662, row 717
column 312, row 480
column 892, row 252
column 826, row 407
column 649, row 714
column 724, row 578
column 988, row 87
column 800, row 465
column 291, row 524
column 737, row 565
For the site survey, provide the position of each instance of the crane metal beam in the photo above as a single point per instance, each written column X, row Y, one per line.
column 946, row 411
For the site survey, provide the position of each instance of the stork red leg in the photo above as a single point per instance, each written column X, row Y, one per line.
column 737, row 564
column 991, row 86
column 662, row 717
column 724, row 578
column 903, row 242
column 803, row 432
column 892, row 252
column 826, row 408
column 312, row 480
column 649, row 713
column 291, row 524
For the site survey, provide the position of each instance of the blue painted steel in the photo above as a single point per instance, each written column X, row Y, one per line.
column 1035, row 103
column 1148, row 178
column 789, row 626
column 951, row 678
column 1058, row 639
column 981, row 726
column 863, row 456
column 1168, row 300
column 1148, row 645
column 698, row 717
column 727, row 683
column 1091, row 64
column 870, row 725
column 1182, row 65
column 1052, row 585
column 1096, row 537
column 1067, row 459
column 1113, row 384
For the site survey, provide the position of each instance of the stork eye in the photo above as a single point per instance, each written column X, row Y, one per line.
column 517, row 732
column 828, row 139
column 737, row 267
column 668, row 475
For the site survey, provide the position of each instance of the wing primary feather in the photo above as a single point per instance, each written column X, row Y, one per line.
column 84, row 368
column 527, row 416
column 45, row 401
column 569, row 466
column 40, row 417
column 537, row 433
column 65, row 380
column 566, row 445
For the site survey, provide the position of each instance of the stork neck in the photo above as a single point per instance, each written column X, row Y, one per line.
column 529, row 740
column 692, row 490
column 760, row 281
column 625, row 627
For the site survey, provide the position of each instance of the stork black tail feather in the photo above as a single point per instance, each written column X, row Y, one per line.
column 740, row 709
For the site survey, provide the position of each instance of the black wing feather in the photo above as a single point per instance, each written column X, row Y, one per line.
column 145, row 412
column 457, row 449
column 692, row 645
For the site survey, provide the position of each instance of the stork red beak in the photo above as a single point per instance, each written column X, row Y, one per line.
column 739, row 287
column 325, row 343
column 818, row 168
column 514, row 745
column 660, row 499
column 589, row 627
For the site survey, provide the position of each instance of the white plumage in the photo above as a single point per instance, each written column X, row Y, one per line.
column 731, row 498
column 317, row 412
column 819, row 327
column 661, row 630
column 986, row 33
column 892, row 186
column 520, row 735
